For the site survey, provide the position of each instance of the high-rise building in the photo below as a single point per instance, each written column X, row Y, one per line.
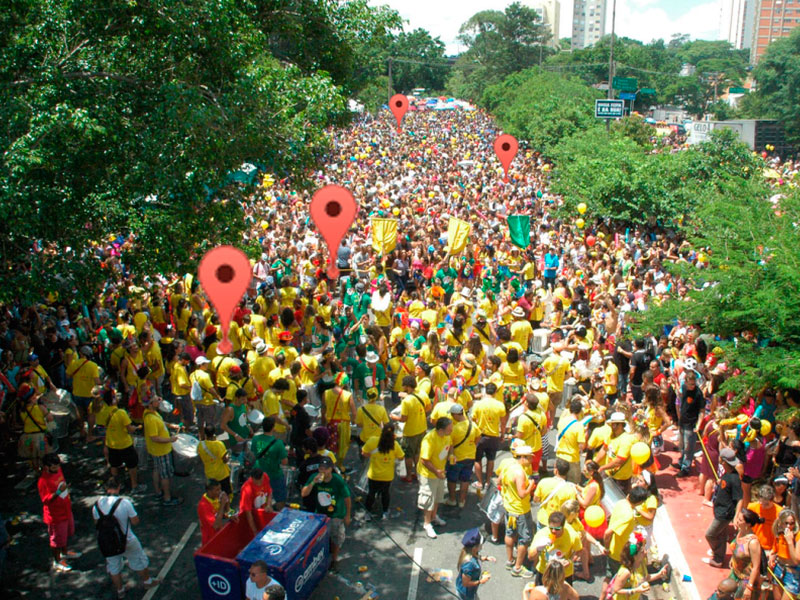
column 588, row 22
column 736, row 18
column 550, row 13
column 773, row 19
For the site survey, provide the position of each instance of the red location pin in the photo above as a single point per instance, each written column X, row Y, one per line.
column 505, row 147
column 224, row 274
column 399, row 106
column 333, row 209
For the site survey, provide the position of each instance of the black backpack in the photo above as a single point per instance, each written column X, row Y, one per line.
column 110, row 537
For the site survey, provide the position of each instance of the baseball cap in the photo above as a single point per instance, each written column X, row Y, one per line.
column 201, row 360
column 326, row 463
column 456, row 409
column 471, row 538
column 33, row 357
column 729, row 456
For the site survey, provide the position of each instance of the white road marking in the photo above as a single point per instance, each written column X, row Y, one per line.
column 413, row 583
column 171, row 560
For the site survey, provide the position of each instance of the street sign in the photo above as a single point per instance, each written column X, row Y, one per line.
column 647, row 91
column 627, row 95
column 609, row 109
column 738, row 90
column 625, row 84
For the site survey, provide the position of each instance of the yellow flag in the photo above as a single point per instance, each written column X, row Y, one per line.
column 384, row 235
column 457, row 235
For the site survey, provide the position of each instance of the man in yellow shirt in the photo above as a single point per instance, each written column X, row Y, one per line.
column 309, row 371
column 214, row 456
column 261, row 366
column 571, row 439
column 85, row 374
column 120, row 445
column 181, row 387
column 619, row 464
column 552, row 492
column 207, row 397
column 459, row 467
column 432, row 459
column 413, row 409
column 556, row 368
column 516, row 488
column 530, row 426
column 521, row 330
column 221, row 366
column 610, row 378
column 159, row 447
column 490, row 416
column 555, row 542
column 399, row 366
column 621, row 523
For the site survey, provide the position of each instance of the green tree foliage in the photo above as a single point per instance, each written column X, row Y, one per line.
column 499, row 43
column 778, row 79
column 542, row 108
column 419, row 61
column 120, row 116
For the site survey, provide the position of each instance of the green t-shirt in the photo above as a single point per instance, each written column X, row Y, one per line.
column 448, row 277
column 362, row 371
column 329, row 497
column 362, row 304
column 270, row 461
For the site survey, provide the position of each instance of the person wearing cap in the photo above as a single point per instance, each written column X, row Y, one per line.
column 371, row 417
column 239, row 378
column 557, row 541
column 414, row 407
column 339, row 413
column 399, row 365
column 434, row 451
column 221, row 366
column 159, row 447
column 181, row 387
column 727, row 504
column 367, row 373
column 85, row 374
column 462, row 460
column 204, row 395
column 621, row 523
column 516, row 486
column 331, row 497
column 490, row 416
column 530, row 426
column 469, row 565
column 618, row 462
column 470, row 371
column 521, row 330
column 571, row 440
column 261, row 365
column 40, row 379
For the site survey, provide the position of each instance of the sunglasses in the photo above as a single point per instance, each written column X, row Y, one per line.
column 556, row 528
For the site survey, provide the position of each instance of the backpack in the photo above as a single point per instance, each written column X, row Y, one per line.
column 196, row 393
column 110, row 537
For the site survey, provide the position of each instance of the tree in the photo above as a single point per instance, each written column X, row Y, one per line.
column 542, row 108
column 126, row 117
column 418, row 61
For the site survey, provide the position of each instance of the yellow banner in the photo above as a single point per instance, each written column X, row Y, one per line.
column 384, row 235
column 457, row 235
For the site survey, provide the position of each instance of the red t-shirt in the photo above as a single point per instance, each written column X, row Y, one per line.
column 254, row 497
column 56, row 508
column 208, row 516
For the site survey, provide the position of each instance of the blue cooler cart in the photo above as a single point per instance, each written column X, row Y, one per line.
column 296, row 547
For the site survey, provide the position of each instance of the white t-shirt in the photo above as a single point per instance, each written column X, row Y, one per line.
column 252, row 592
column 124, row 513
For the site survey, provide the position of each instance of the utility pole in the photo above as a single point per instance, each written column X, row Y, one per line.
column 389, row 84
column 611, row 59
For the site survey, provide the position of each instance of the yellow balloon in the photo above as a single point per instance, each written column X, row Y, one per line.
column 580, row 223
column 766, row 427
column 582, row 207
column 264, row 225
column 431, row 194
column 594, row 516
column 640, row 453
column 395, row 211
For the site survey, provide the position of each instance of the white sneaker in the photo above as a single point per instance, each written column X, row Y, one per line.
column 61, row 567
column 439, row 521
column 451, row 502
column 431, row 533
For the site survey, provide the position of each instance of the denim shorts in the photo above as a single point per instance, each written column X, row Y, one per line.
column 461, row 471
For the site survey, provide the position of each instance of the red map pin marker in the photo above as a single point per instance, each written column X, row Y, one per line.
column 224, row 274
column 399, row 106
column 333, row 209
column 505, row 147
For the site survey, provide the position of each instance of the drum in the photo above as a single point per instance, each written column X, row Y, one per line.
column 140, row 445
column 165, row 407
column 541, row 340
column 184, row 454
column 237, row 475
column 570, row 387
column 61, row 419
column 61, row 400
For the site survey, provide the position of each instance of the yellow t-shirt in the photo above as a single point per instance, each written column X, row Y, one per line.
column 337, row 410
column 368, row 428
column 271, row 407
column 117, row 435
column 512, row 502
column 599, row 438
column 413, row 408
column 102, row 413
column 465, row 439
column 435, row 449
column 309, row 366
column 650, row 504
column 223, row 366
column 521, row 332
column 568, row 445
column 621, row 521
column 620, row 446
column 440, row 376
column 400, row 367
column 203, row 379
column 513, row 374
column 381, row 464
column 35, row 422
column 562, row 547
column 530, row 425
column 610, row 371
column 84, row 375
column 212, row 453
column 487, row 414
column 179, row 380
column 260, row 369
column 564, row 490
column 154, row 426
column 441, row 409
column 556, row 368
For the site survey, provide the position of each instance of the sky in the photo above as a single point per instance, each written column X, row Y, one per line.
column 643, row 20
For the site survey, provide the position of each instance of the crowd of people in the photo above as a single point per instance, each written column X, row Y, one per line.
column 440, row 358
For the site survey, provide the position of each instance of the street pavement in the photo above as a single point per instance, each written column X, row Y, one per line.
column 385, row 548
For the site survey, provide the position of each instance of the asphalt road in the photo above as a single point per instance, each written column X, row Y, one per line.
column 385, row 548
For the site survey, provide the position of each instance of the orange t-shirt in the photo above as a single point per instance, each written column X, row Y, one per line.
column 763, row 530
column 780, row 547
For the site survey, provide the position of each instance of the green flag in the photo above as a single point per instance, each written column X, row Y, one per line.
column 519, row 229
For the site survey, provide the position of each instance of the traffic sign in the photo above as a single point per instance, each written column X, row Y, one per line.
column 609, row 109
column 647, row 91
column 625, row 84
column 627, row 95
